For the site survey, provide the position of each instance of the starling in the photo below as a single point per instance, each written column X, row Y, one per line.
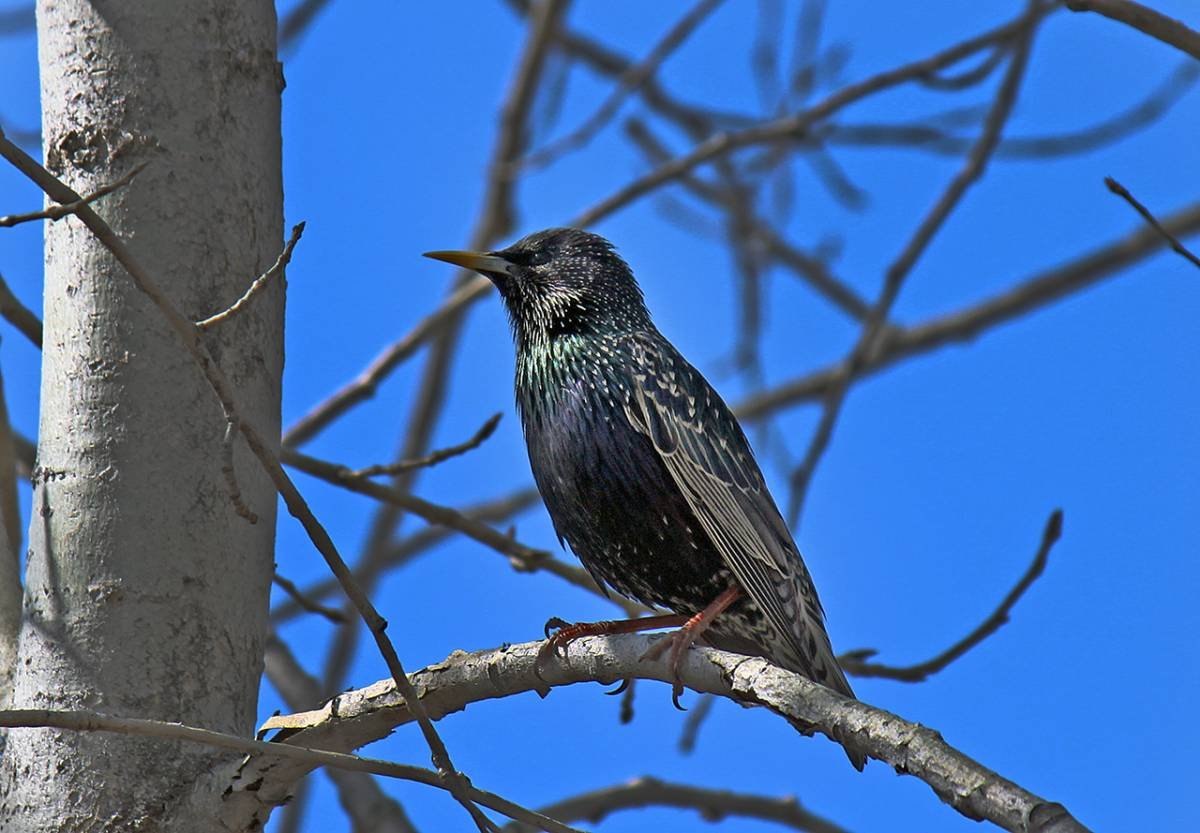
column 644, row 470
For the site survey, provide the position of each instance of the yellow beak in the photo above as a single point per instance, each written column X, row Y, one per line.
column 477, row 261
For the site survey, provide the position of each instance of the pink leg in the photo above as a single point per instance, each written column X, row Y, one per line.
column 686, row 636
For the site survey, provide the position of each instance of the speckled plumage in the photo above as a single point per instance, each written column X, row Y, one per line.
column 644, row 470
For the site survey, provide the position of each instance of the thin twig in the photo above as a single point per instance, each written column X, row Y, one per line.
column 297, row 506
column 629, row 81
column 713, row 805
column 972, row 321
column 1122, row 192
column 899, row 270
column 228, row 471
column 19, row 315
column 854, row 662
column 85, row 721
column 306, row 602
column 1146, row 20
column 259, row 283
column 434, row 457
column 57, row 212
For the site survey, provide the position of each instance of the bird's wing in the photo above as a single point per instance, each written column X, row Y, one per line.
column 710, row 460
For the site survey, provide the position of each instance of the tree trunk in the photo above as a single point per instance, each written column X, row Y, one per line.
column 146, row 594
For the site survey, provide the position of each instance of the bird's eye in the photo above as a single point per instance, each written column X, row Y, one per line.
column 540, row 257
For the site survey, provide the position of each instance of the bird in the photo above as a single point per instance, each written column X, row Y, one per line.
column 646, row 473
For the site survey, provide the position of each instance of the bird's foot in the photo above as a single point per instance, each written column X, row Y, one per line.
column 565, row 633
column 681, row 640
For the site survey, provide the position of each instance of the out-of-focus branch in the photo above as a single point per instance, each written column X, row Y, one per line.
column 358, row 717
column 808, row 268
column 796, row 126
column 403, row 551
column 934, row 139
column 369, row 808
column 364, row 386
column 899, row 270
column 629, row 81
column 1122, row 192
column 712, row 805
column 1039, row 291
column 306, row 603
column 522, row 557
column 19, row 315
column 298, row 20
column 1146, row 20
column 854, row 662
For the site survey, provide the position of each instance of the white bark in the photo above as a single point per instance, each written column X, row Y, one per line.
column 146, row 594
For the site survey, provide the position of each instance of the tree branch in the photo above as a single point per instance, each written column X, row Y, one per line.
column 1146, row 20
column 259, row 283
column 1122, row 192
column 712, row 805
column 359, row 717
column 522, row 557
column 970, row 322
column 64, row 209
column 85, row 721
column 434, row 457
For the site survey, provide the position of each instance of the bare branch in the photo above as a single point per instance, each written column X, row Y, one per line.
column 522, row 557
column 1122, row 192
column 19, row 315
column 932, row 138
column 367, row 382
column 1146, row 20
column 808, row 268
column 629, row 81
column 712, row 805
column 259, row 283
column 854, row 661
column 435, row 457
column 298, row 20
column 85, row 721
column 358, row 717
column 797, row 125
column 305, row 603
column 262, row 449
column 403, row 551
column 970, row 322
column 57, row 212
column 228, row 471
column 696, row 717
column 899, row 270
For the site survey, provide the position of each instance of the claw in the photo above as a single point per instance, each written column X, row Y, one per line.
column 676, row 693
column 555, row 624
column 619, row 689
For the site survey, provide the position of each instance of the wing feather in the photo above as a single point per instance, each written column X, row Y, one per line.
column 710, row 460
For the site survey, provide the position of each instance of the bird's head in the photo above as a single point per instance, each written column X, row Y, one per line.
column 560, row 282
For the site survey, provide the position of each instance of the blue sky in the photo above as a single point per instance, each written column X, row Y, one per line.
column 942, row 470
